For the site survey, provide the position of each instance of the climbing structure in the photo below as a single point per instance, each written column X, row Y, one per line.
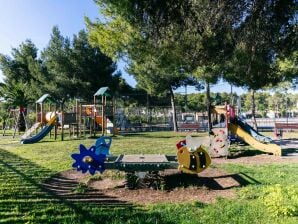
column 219, row 143
column 227, row 124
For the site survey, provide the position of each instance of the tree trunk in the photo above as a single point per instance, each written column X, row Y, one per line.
column 174, row 109
column 208, row 107
column 147, row 110
column 3, row 124
column 62, row 119
column 21, row 121
column 253, row 110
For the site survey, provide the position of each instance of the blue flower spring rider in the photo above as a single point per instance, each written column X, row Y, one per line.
column 92, row 159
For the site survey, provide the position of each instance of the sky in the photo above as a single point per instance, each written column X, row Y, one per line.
column 34, row 19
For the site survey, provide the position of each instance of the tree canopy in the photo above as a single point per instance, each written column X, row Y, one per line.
column 20, row 71
column 262, row 55
column 159, row 38
column 75, row 69
column 194, row 35
column 66, row 68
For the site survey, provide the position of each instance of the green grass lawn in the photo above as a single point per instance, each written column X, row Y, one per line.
column 271, row 198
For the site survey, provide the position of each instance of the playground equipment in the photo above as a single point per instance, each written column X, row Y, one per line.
column 17, row 114
column 104, row 93
column 219, row 143
column 93, row 159
column 189, row 160
column 105, row 122
column 98, row 115
column 45, row 130
column 91, row 114
column 228, row 123
column 45, row 121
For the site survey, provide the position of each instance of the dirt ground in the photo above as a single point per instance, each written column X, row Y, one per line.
column 204, row 187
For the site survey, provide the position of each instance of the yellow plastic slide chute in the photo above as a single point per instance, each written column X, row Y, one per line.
column 265, row 147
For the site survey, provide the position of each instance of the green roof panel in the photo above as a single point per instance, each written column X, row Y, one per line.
column 45, row 97
column 103, row 91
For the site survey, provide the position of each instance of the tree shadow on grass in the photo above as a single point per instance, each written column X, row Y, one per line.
column 27, row 195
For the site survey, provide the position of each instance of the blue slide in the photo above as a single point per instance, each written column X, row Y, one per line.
column 249, row 129
column 46, row 130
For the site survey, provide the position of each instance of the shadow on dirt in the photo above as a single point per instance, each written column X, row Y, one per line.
column 244, row 153
column 290, row 152
column 221, row 182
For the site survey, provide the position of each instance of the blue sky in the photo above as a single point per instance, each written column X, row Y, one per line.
column 34, row 19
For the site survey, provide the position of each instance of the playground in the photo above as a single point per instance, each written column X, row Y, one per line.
column 77, row 165
column 149, row 112
column 82, row 164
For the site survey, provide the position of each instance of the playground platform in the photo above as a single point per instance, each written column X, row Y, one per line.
column 148, row 162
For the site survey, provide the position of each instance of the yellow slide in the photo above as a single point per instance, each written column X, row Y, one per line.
column 269, row 148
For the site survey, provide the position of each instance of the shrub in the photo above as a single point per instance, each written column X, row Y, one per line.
column 281, row 200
